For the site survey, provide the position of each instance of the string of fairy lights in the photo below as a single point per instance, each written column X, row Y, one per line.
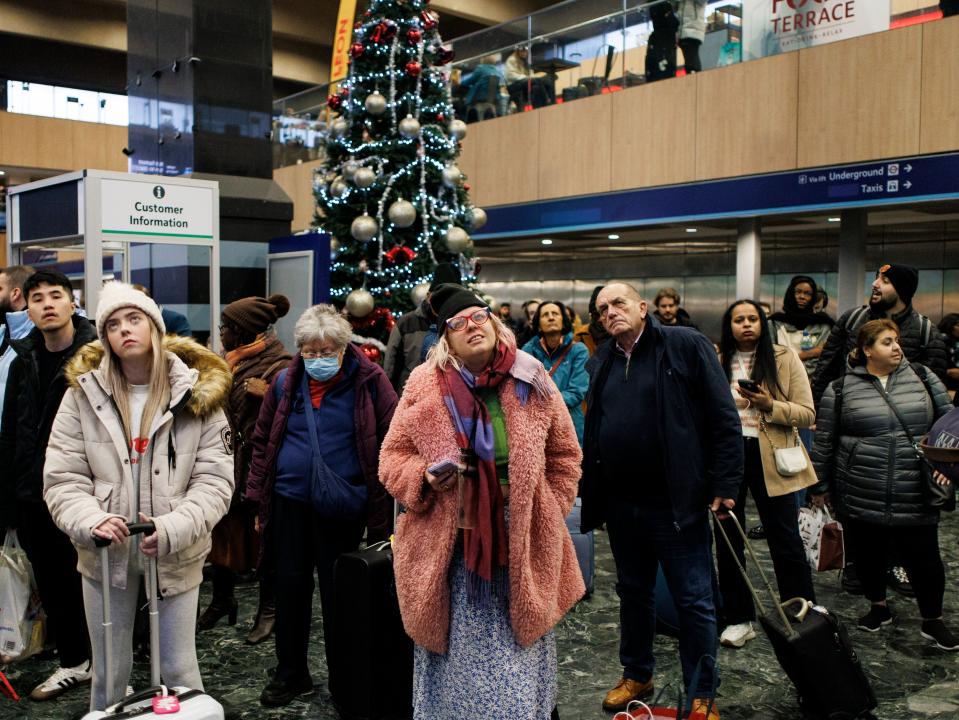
column 387, row 183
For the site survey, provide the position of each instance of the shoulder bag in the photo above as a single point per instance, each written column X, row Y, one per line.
column 791, row 460
column 934, row 495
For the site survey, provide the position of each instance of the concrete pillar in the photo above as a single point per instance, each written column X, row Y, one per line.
column 748, row 258
column 852, row 259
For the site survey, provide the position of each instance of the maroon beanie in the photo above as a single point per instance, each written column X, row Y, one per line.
column 254, row 315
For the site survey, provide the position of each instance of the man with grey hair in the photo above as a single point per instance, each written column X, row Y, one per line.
column 662, row 446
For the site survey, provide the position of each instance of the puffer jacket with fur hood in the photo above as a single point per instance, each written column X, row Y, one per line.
column 871, row 470
column 186, row 474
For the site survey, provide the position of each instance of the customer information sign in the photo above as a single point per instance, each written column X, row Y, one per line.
column 771, row 27
column 159, row 209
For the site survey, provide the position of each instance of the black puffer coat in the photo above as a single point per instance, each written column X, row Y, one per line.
column 873, row 473
column 842, row 339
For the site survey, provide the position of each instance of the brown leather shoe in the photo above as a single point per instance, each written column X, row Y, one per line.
column 618, row 698
column 707, row 708
column 263, row 628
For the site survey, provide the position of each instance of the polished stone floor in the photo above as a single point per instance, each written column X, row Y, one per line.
column 911, row 679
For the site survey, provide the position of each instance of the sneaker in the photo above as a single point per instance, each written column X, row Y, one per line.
column 735, row 636
column 877, row 616
column 937, row 631
column 899, row 581
column 757, row 533
column 282, row 692
column 62, row 680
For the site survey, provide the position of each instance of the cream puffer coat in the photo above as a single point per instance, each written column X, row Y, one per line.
column 186, row 475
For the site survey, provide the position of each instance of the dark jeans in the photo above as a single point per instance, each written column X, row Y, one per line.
column 54, row 561
column 917, row 547
column 303, row 542
column 641, row 538
column 779, row 517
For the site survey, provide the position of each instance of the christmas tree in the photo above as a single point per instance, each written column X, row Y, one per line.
column 389, row 192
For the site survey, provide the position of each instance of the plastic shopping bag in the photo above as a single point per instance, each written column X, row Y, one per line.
column 18, row 611
column 822, row 538
column 638, row 710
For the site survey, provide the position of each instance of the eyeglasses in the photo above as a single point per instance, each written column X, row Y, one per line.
column 459, row 322
column 318, row 356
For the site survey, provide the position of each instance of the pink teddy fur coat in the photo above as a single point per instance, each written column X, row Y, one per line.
column 544, row 470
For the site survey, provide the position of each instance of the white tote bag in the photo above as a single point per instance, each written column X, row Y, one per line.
column 16, row 626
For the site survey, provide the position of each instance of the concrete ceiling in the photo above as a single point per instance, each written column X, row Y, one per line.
column 302, row 29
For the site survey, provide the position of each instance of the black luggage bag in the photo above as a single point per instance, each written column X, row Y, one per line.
column 372, row 676
column 813, row 648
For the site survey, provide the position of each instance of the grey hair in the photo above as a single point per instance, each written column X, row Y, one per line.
column 322, row 323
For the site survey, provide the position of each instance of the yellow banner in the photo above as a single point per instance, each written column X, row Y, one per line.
column 342, row 36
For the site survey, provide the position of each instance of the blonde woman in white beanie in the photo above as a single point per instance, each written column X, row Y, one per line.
column 141, row 434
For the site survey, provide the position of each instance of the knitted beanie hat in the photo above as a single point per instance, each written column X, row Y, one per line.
column 115, row 295
column 448, row 299
column 254, row 315
column 904, row 278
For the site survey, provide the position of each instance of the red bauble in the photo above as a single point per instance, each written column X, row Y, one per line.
column 400, row 254
column 429, row 19
column 444, row 56
column 334, row 102
column 414, row 36
column 372, row 352
column 466, row 186
column 413, row 68
column 356, row 49
column 440, row 117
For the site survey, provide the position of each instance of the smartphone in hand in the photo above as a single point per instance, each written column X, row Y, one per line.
column 442, row 468
column 749, row 385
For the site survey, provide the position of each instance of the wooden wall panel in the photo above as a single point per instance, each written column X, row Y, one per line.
column 747, row 118
column 468, row 156
column 297, row 182
column 507, row 157
column 859, row 99
column 664, row 110
column 940, row 86
column 55, row 144
column 575, row 147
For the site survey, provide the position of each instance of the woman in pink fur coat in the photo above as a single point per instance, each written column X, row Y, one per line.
column 484, row 564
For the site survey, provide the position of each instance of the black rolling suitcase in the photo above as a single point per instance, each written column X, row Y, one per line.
column 814, row 650
column 372, row 676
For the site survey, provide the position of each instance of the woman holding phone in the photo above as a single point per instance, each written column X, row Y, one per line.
column 771, row 391
column 483, row 455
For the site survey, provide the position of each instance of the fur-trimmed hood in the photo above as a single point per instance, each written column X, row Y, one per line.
column 193, row 368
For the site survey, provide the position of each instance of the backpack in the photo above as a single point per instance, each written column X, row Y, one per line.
column 855, row 320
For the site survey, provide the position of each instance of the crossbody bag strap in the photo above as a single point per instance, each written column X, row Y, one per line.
column 310, row 420
column 559, row 360
column 270, row 370
column 905, row 427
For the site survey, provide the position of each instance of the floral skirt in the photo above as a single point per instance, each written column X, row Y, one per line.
column 485, row 673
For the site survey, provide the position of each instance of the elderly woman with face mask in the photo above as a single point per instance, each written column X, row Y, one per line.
column 483, row 455
column 326, row 413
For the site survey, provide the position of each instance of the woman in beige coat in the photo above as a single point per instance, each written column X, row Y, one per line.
column 771, row 390
column 141, row 433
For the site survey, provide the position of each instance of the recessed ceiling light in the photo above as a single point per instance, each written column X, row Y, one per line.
column 692, row 230
column 613, row 237
column 546, row 241
column 3, row 172
column 833, row 219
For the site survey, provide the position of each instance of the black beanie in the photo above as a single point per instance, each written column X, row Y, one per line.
column 904, row 278
column 448, row 299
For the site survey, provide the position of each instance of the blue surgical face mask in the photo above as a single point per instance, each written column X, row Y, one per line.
column 322, row 368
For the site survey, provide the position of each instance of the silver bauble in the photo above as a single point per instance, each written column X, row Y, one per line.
column 359, row 303
column 458, row 129
column 477, row 218
column 409, row 127
column 402, row 213
column 338, row 187
column 456, row 239
column 339, row 128
column 349, row 169
column 364, row 228
column 452, row 176
column 364, row 177
column 375, row 103
column 419, row 292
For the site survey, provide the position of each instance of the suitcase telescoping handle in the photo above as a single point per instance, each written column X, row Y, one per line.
column 135, row 528
column 787, row 626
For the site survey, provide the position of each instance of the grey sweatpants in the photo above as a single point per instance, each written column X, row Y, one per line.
column 178, row 663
